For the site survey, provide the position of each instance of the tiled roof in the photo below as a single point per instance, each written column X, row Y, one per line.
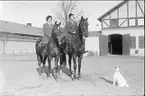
column 6, row 26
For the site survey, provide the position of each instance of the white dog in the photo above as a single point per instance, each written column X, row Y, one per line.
column 119, row 79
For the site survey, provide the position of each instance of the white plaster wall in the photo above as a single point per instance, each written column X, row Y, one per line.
column 92, row 43
column 138, row 31
column 24, row 46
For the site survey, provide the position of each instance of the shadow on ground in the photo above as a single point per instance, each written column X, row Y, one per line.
column 108, row 81
column 46, row 71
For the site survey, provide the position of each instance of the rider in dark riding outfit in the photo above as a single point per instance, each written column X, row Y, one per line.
column 71, row 27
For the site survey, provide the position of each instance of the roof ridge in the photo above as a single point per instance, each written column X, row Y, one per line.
column 18, row 23
column 12, row 27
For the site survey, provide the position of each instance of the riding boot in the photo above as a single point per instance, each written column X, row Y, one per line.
column 44, row 41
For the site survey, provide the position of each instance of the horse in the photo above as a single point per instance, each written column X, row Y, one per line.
column 52, row 49
column 76, row 49
column 41, row 54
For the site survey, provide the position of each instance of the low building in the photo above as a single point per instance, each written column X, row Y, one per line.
column 123, row 29
column 14, row 36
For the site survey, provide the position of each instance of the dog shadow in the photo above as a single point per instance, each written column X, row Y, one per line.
column 106, row 80
column 46, row 71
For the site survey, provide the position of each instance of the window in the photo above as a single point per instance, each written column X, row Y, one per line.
column 141, row 21
column 141, row 42
column 131, row 22
column 114, row 23
column 3, row 34
column 132, row 42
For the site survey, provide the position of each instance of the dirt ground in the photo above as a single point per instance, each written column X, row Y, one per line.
column 21, row 77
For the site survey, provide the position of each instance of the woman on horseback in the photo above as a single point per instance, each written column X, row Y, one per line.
column 47, row 30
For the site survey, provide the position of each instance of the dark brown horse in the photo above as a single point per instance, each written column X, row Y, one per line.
column 49, row 51
column 76, row 47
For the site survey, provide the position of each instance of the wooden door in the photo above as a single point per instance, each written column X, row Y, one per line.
column 103, row 42
column 126, row 44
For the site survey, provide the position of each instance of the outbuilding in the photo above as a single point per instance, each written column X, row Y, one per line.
column 18, row 38
column 123, row 29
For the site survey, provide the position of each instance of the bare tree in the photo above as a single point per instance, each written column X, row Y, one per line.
column 66, row 7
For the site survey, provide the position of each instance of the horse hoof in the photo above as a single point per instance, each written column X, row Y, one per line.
column 43, row 74
column 71, row 76
column 79, row 76
column 60, row 73
column 55, row 77
column 48, row 75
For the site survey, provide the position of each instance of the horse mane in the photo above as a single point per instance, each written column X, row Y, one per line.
column 54, row 38
column 79, row 32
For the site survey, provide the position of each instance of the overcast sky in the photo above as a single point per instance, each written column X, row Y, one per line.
column 36, row 11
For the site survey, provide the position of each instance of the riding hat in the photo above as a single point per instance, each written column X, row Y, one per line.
column 49, row 16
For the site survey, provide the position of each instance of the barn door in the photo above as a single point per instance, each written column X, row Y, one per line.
column 126, row 44
column 103, row 41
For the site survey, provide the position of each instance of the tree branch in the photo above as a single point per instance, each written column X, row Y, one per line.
column 66, row 7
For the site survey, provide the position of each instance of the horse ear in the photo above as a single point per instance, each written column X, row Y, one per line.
column 55, row 22
column 82, row 18
column 87, row 19
column 59, row 23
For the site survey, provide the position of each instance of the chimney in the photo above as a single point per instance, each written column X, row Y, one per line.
column 29, row 24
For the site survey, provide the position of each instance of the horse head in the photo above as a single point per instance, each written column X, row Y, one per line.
column 56, row 29
column 83, row 25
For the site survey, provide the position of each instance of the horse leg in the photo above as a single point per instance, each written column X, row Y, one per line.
column 75, row 66
column 64, row 59
column 61, row 64
column 49, row 66
column 79, row 65
column 70, row 58
column 39, row 63
column 44, row 61
column 56, row 66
